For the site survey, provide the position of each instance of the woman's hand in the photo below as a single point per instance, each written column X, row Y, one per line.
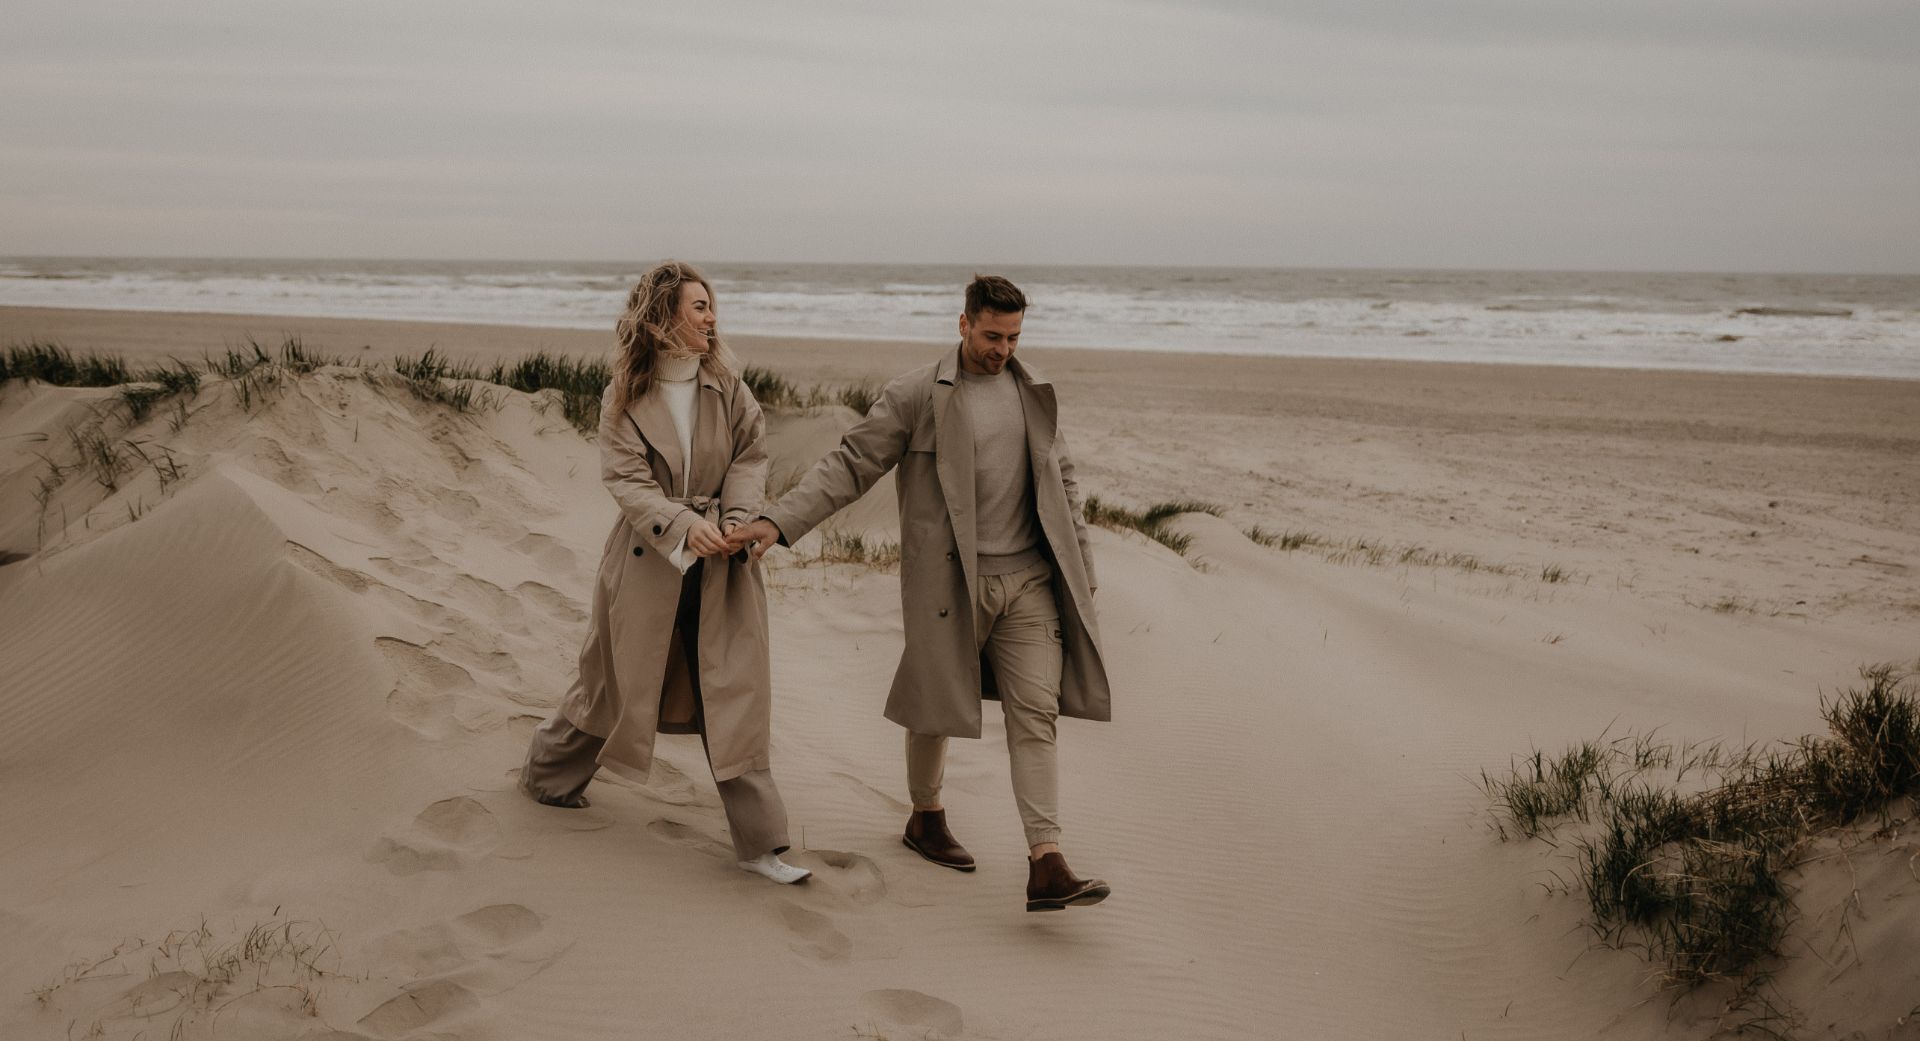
column 705, row 539
column 760, row 535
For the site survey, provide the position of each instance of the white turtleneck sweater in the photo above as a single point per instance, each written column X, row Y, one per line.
column 677, row 382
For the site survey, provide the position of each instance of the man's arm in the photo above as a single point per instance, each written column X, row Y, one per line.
column 1076, row 506
column 865, row 453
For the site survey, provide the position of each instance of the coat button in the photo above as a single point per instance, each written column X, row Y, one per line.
column 637, row 551
column 951, row 556
column 656, row 529
column 943, row 612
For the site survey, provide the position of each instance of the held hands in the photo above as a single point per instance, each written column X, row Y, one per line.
column 705, row 539
column 757, row 535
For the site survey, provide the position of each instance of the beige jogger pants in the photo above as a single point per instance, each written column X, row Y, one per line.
column 1017, row 623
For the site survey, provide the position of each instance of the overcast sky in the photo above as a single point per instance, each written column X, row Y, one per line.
column 1637, row 134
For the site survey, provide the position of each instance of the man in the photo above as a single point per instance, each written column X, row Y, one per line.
column 996, row 584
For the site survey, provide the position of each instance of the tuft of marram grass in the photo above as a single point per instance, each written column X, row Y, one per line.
column 579, row 382
column 49, row 362
column 1362, row 550
column 860, row 396
column 769, row 388
column 433, row 378
column 838, row 547
column 1260, row 536
column 776, row 392
column 296, row 357
column 235, row 363
column 211, row 970
column 1695, row 876
column 98, row 455
column 139, row 399
column 1151, row 522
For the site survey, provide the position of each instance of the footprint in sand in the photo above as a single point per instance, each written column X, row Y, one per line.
column 671, row 785
column 432, row 950
column 850, row 875
column 419, row 1006
column 497, row 925
column 455, row 963
column 909, row 1013
column 442, row 838
column 814, row 934
column 547, row 551
column 431, row 696
column 681, row 835
column 550, row 600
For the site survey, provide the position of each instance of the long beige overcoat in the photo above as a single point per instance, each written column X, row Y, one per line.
column 920, row 427
column 633, row 677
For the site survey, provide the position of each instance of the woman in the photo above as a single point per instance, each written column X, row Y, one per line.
column 678, row 639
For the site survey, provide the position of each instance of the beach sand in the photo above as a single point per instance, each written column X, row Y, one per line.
column 280, row 682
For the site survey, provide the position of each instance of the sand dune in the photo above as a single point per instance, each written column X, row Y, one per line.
column 288, row 689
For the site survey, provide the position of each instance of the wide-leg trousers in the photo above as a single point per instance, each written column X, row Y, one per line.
column 563, row 758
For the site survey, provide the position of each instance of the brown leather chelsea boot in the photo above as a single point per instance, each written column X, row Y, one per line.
column 928, row 836
column 1051, row 885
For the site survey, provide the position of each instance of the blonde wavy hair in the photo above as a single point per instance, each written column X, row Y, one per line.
column 645, row 331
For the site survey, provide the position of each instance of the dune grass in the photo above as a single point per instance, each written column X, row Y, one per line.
column 776, row 392
column 838, row 547
column 1151, row 522
column 580, row 383
column 49, row 362
column 1685, row 851
column 253, row 371
column 860, row 396
column 769, row 388
column 97, row 455
column 140, row 390
column 234, row 362
column 431, row 377
column 1371, row 552
column 193, row 974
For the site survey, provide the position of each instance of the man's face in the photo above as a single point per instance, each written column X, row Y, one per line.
column 987, row 340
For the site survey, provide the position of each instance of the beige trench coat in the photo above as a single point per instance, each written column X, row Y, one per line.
column 633, row 678
column 919, row 426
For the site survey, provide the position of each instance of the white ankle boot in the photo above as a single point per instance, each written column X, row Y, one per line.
column 771, row 866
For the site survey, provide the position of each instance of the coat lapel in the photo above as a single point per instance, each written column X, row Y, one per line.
column 656, row 426
column 953, row 459
column 712, row 436
column 1041, row 411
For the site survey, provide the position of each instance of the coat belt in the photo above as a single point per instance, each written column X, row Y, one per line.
column 706, row 506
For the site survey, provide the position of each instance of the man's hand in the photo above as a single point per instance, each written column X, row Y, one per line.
column 761, row 535
column 705, row 539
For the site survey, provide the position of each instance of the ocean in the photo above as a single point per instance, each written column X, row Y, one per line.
column 1851, row 325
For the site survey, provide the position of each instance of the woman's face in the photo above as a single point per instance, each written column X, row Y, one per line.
column 693, row 318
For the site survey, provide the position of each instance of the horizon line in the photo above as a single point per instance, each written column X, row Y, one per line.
column 641, row 264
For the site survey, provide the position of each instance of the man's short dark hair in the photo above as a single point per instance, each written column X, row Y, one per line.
column 993, row 293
